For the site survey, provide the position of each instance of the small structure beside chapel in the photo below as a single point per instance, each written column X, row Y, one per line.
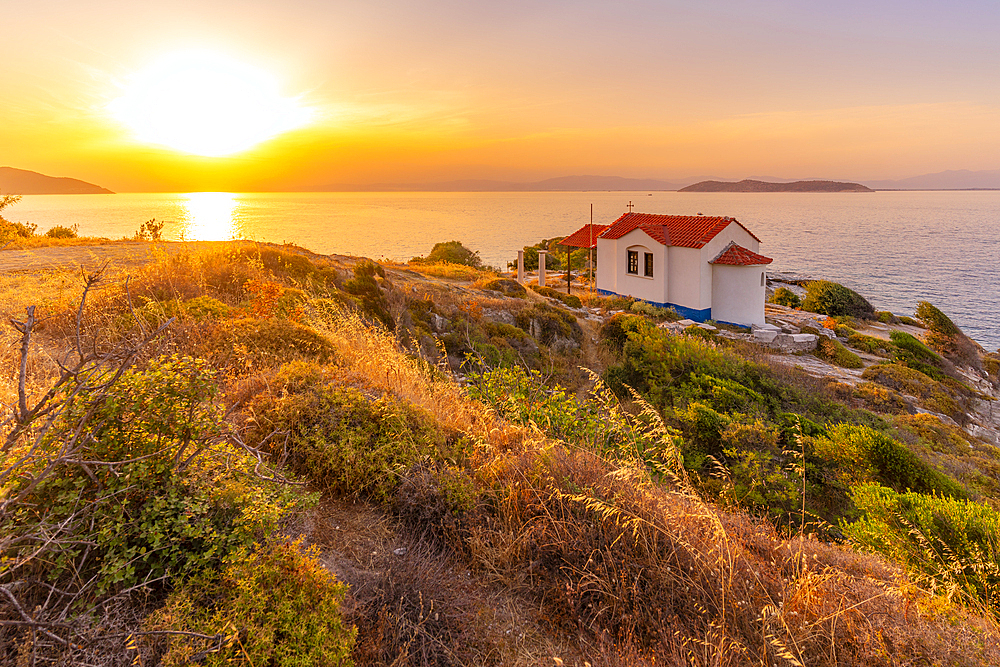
column 704, row 267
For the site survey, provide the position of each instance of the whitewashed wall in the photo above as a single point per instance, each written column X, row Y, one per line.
column 737, row 294
column 732, row 232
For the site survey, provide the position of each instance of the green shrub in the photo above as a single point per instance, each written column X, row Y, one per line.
column 953, row 542
column 451, row 252
column 12, row 231
column 275, row 605
column 570, row 300
column 884, row 316
column 341, row 440
column 823, row 296
column 866, row 455
column 704, row 426
column 912, row 352
column 370, row 297
column 614, row 332
column 546, row 323
column 945, row 337
column 521, row 397
column 255, row 343
column 505, row 286
column 60, row 232
column 870, row 344
column 880, row 399
column 909, row 321
column 656, row 312
column 552, row 261
column 155, row 504
column 832, row 351
column 786, row 297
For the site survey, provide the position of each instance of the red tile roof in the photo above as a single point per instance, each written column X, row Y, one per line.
column 585, row 237
column 737, row 255
column 688, row 231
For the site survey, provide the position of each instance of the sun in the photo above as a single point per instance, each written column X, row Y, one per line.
column 204, row 103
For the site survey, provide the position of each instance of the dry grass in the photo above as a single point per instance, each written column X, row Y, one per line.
column 450, row 271
column 562, row 552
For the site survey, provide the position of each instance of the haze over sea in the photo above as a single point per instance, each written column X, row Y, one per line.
column 896, row 248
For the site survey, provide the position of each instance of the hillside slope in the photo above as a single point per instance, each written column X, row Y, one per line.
column 24, row 182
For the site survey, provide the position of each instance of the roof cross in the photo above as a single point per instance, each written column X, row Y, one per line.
column 630, row 207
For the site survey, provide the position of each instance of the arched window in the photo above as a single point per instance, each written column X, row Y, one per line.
column 762, row 279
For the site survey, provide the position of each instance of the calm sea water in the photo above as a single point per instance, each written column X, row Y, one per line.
column 896, row 248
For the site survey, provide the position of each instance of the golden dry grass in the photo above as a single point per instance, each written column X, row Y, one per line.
column 585, row 557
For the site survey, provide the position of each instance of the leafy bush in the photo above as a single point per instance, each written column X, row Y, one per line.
column 521, row 397
column 570, row 300
column 343, row 441
column 274, row 605
column 545, row 323
column 912, row 352
column 371, row 298
column 885, row 317
column 945, row 337
column 909, row 321
column 505, row 286
column 866, row 455
column 832, row 351
column 880, row 399
column 151, row 230
column 552, row 262
column 656, row 312
column 60, row 232
column 823, row 296
column 954, row 542
column 451, row 252
column 870, row 344
column 786, row 297
column 254, row 343
column 153, row 512
column 615, row 331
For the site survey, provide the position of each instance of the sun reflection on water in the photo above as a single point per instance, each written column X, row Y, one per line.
column 210, row 216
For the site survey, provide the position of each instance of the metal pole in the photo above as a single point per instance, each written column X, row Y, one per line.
column 568, row 287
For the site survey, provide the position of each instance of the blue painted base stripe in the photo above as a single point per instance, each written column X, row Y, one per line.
column 698, row 315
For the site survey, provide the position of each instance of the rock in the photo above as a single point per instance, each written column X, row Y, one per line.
column 789, row 343
column 789, row 329
column 401, row 551
column 764, row 336
column 686, row 323
column 765, row 327
column 499, row 315
column 439, row 324
column 707, row 327
column 562, row 345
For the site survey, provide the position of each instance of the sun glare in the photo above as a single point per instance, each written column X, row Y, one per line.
column 206, row 104
column 210, row 216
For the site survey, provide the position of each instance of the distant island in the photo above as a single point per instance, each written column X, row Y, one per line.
column 23, row 182
column 748, row 185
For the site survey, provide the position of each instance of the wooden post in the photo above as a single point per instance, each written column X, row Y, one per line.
column 520, row 266
column 541, row 267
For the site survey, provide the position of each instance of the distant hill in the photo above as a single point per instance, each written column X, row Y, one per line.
column 571, row 183
column 748, row 185
column 24, row 182
column 953, row 179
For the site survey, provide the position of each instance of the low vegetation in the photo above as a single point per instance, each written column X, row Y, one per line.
column 833, row 299
column 255, row 456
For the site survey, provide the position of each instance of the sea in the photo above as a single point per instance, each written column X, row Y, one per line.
column 894, row 247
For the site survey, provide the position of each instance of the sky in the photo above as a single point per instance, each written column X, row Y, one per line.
column 415, row 92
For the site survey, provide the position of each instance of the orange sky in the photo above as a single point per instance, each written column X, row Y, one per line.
column 436, row 90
